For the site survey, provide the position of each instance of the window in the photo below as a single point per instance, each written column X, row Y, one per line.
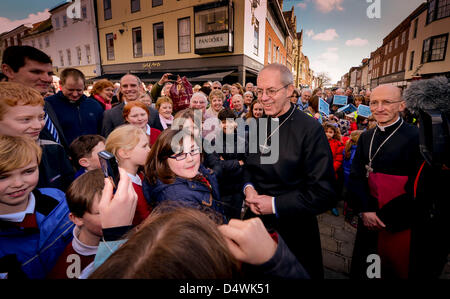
column 274, row 58
column 33, row 43
column 184, row 35
column 84, row 12
column 69, row 57
column 110, row 46
column 135, row 5
column 47, row 41
column 403, row 37
column 137, row 42
column 79, row 60
column 394, row 64
column 107, row 9
column 443, row 9
column 411, row 61
column 40, row 43
column 269, row 54
column 256, row 38
column 158, row 39
column 438, row 9
column 384, row 68
column 88, row 54
column 390, row 46
column 57, row 25
column 388, row 70
column 386, row 50
column 416, row 22
column 64, row 21
column 157, row 3
column 396, row 43
column 400, row 62
column 211, row 20
column 61, row 58
column 434, row 48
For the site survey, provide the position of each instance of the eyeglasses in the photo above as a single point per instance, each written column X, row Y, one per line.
column 271, row 92
column 216, row 87
column 182, row 156
column 383, row 103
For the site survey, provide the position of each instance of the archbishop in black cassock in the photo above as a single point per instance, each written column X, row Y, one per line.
column 291, row 192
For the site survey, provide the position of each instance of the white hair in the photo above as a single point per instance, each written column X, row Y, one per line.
column 306, row 90
column 248, row 92
column 199, row 95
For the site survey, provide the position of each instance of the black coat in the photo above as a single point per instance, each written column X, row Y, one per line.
column 302, row 182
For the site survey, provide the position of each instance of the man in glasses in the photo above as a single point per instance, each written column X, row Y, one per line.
column 290, row 193
column 381, row 181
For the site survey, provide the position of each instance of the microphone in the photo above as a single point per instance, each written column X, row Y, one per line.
column 431, row 94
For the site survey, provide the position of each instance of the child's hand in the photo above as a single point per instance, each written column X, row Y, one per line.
column 118, row 209
column 249, row 241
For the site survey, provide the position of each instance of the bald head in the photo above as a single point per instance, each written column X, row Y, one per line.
column 130, row 87
column 340, row 92
column 394, row 92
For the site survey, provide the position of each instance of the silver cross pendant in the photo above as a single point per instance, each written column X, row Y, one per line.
column 369, row 169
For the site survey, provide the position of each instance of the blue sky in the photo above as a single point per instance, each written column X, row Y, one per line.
column 328, row 25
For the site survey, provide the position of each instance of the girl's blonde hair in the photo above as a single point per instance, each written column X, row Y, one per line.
column 17, row 152
column 124, row 137
column 354, row 137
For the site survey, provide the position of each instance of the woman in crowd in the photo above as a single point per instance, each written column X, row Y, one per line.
column 174, row 173
column 226, row 89
column 313, row 108
column 216, row 98
column 129, row 145
column 164, row 105
column 103, row 92
column 317, row 92
column 256, row 111
column 248, row 99
column 136, row 113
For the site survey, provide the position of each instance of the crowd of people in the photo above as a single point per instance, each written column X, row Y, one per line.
column 200, row 195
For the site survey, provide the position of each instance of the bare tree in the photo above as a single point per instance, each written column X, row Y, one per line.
column 323, row 78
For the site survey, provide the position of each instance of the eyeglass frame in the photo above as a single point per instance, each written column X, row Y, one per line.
column 384, row 103
column 258, row 90
column 184, row 155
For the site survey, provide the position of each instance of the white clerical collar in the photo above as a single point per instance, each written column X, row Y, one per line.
column 18, row 217
column 135, row 179
column 80, row 247
column 383, row 128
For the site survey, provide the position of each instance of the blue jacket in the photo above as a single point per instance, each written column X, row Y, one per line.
column 185, row 192
column 37, row 250
column 347, row 164
column 85, row 116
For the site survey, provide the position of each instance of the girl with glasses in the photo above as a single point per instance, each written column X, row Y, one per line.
column 174, row 173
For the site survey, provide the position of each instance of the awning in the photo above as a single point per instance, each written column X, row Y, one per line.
column 212, row 76
column 193, row 76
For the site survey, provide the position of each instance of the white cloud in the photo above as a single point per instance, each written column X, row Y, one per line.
column 357, row 42
column 327, row 6
column 7, row 24
column 328, row 35
column 309, row 33
column 328, row 62
column 302, row 5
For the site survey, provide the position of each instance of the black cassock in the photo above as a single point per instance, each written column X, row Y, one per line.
column 388, row 192
column 302, row 181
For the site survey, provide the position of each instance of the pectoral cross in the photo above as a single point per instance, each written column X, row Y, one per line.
column 264, row 149
column 369, row 169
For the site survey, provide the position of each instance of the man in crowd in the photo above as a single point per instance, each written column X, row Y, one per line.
column 302, row 103
column 349, row 94
column 77, row 114
column 33, row 68
column 129, row 87
column 289, row 193
column 382, row 177
column 249, row 86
